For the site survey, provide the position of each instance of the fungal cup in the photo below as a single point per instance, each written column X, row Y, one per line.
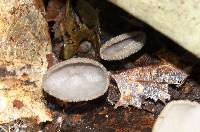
column 122, row 46
column 179, row 116
column 76, row 79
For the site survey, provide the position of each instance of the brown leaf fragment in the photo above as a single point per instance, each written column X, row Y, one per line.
column 150, row 81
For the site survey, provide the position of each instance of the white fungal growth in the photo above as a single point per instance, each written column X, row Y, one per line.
column 77, row 79
column 179, row 116
column 122, row 46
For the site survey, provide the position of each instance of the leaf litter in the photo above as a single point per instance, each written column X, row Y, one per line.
column 151, row 81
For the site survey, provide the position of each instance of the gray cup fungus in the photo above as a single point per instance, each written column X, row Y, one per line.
column 77, row 79
column 122, row 46
column 179, row 116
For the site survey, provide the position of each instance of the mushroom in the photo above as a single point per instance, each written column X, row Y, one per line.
column 179, row 116
column 122, row 46
column 76, row 79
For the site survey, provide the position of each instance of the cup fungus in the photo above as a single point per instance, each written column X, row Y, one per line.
column 122, row 46
column 179, row 116
column 76, row 79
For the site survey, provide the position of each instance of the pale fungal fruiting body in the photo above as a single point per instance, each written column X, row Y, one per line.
column 122, row 46
column 179, row 116
column 76, row 79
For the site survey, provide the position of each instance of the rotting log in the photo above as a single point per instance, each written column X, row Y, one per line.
column 24, row 43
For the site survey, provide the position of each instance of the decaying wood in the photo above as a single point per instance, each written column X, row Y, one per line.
column 24, row 43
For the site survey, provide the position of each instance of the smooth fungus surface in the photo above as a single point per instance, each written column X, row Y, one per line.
column 76, row 82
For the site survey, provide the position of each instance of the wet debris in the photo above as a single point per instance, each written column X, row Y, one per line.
column 179, row 116
column 151, row 81
column 122, row 46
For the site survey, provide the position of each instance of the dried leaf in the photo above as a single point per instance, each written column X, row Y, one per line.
column 74, row 31
column 24, row 43
column 151, row 81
